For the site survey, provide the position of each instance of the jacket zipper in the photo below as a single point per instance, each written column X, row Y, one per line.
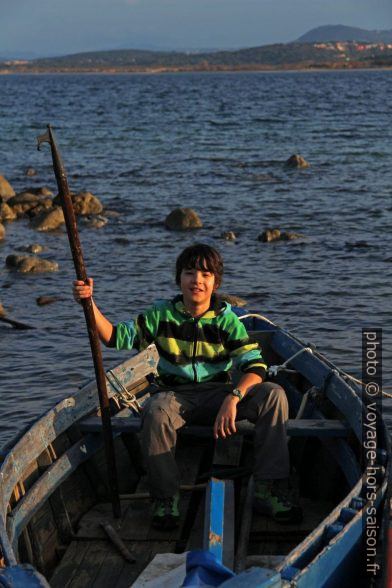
column 194, row 349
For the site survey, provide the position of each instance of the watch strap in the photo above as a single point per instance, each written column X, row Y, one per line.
column 237, row 392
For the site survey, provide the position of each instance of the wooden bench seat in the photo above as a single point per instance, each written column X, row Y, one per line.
column 126, row 422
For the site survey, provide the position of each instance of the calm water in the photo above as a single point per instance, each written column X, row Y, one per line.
column 145, row 144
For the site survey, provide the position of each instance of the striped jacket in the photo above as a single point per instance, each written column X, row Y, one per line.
column 193, row 349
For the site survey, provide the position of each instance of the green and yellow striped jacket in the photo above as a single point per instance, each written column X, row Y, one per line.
column 193, row 349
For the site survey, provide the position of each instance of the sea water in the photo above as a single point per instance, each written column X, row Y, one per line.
column 216, row 142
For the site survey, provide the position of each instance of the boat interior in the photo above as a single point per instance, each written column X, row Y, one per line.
column 57, row 499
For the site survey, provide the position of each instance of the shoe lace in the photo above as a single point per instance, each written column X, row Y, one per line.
column 166, row 504
column 281, row 492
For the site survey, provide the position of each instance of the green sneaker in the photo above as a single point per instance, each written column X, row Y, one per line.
column 166, row 512
column 271, row 498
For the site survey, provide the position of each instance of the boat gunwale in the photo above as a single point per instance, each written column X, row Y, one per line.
column 83, row 402
column 347, row 527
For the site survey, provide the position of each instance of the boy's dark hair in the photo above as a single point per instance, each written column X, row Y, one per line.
column 202, row 257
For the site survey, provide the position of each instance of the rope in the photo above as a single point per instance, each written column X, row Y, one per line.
column 274, row 369
column 127, row 399
column 349, row 376
column 260, row 316
column 357, row 381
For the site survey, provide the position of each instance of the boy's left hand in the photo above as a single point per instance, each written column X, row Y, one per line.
column 225, row 421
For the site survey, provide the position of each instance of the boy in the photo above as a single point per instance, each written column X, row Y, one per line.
column 199, row 338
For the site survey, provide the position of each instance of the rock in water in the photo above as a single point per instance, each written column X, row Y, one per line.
column 269, row 235
column 228, row 236
column 26, row 264
column 183, row 219
column 277, row 235
column 290, row 236
column 33, row 248
column 6, row 212
column 41, row 191
column 297, row 161
column 233, row 300
column 43, row 300
column 2, row 232
column 96, row 221
column 23, row 202
column 48, row 220
column 6, row 190
column 84, row 203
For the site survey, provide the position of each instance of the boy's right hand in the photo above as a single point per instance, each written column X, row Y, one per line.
column 81, row 290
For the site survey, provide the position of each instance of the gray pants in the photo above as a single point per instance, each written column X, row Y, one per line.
column 265, row 405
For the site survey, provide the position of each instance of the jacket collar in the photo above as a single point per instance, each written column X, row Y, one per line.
column 217, row 306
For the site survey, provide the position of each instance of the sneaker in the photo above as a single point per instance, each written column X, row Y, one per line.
column 271, row 498
column 166, row 512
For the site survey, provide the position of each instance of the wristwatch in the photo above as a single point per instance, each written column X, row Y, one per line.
column 237, row 392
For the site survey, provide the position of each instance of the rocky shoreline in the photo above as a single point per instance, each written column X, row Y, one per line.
column 43, row 211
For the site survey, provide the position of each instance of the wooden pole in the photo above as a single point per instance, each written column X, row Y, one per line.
column 77, row 255
column 15, row 324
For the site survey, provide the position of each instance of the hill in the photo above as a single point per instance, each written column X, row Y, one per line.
column 343, row 33
column 298, row 55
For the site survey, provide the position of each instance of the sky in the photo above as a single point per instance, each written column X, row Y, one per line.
column 33, row 28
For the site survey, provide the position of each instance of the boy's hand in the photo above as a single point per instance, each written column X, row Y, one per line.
column 225, row 420
column 81, row 290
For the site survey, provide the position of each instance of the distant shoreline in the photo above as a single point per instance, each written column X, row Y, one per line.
column 251, row 68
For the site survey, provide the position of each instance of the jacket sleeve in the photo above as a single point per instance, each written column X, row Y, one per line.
column 245, row 354
column 139, row 333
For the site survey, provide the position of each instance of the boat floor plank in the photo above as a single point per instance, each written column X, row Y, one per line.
column 135, row 523
column 196, row 535
column 265, row 529
column 144, row 556
column 89, row 568
column 97, row 564
column 69, row 565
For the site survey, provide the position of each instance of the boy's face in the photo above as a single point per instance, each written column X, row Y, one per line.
column 197, row 287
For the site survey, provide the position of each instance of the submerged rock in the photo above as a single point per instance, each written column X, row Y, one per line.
column 41, row 191
column 96, row 222
column 357, row 245
column 30, row 171
column 43, row 300
column 277, row 235
column 112, row 213
column 25, row 264
column 6, row 190
column 23, row 202
column 228, row 236
column 297, row 161
column 33, row 248
column 290, row 236
column 2, row 232
column 182, row 219
column 42, row 206
column 48, row 220
column 2, row 310
column 233, row 300
column 269, row 235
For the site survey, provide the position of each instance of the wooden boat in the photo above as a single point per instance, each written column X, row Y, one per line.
column 55, row 512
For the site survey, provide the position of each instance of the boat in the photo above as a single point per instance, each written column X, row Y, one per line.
column 57, row 526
